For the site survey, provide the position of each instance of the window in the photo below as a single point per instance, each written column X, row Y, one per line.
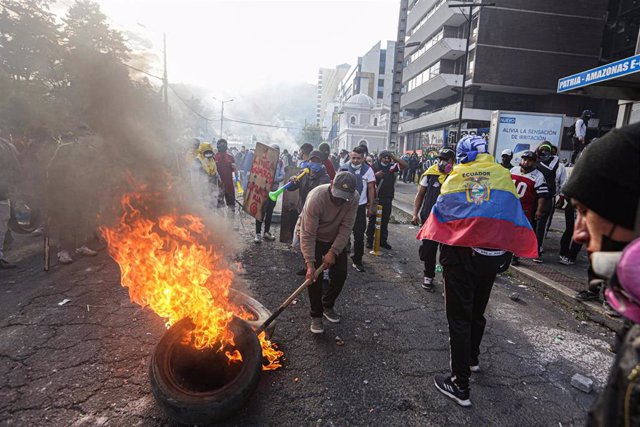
column 375, row 121
column 424, row 19
column 424, row 76
column 427, row 45
column 380, row 94
column 352, row 120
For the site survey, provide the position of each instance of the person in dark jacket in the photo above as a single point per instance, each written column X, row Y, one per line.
column 548, row 164
column 386, row 170
column 317, row 176
column 414, row 163
column 428, row 191
column 607, row 210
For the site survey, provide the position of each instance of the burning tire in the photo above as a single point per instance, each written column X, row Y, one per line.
column 199, row 386
column 256, row 313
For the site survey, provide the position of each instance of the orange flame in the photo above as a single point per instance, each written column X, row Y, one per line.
column 271, row 353
column 168, row 269
column 233, row 356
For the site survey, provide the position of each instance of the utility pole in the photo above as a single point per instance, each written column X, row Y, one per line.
column 165, row 78
column 222, row 111
column 469, row 19
column 398, row 64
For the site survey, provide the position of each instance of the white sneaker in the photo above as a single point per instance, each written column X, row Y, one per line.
column 268, row 236
column 64, row 257
column 258, row 238
column 83, row 250
column 316, row 325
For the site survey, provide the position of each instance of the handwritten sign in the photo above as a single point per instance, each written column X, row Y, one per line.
column 263, row 170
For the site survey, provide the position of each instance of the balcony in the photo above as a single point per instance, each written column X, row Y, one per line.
column 442, row 117
column 418, row 12
column 443, row 16
column 439, row 87
column 448, row 48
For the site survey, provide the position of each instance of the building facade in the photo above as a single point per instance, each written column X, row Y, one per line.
column 329, row 80
column 361, row 119
column 517, row 51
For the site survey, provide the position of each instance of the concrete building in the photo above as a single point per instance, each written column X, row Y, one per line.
column 518, row 50
column 361, row 119
column 329, row 80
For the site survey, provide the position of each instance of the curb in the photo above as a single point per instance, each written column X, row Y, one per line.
column 563, row 294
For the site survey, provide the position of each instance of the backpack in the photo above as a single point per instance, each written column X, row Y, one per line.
column 571, row 133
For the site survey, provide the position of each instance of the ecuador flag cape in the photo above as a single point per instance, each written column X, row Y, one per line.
column 478, row 207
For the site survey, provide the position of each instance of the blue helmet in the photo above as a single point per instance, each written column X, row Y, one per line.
column 469, row 147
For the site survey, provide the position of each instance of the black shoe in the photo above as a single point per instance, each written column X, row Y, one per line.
column 427, row 283
column 358, row 266
column 446, row 386
column 586, row 296
column 6, row 264
column 369, row 245
column 385, row 245
column 302, row 272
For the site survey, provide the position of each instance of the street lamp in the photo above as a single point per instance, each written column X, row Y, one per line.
column 469, row 19
column 222, row 111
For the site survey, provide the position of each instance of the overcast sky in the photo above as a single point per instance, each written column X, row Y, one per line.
column 223, row 45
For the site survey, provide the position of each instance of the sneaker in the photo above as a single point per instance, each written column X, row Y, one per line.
column 83, row 250
column 316, row 325
column 6, row 264
column 448, row 387
column 385, row 245
column 537, row 260
column 268, row 236
column 427, row 283
column 331, row 315
column 64, row 257
column 475, row 368
column 566, row 261
column 586, row 295
column 258, row 239
column 358, row 266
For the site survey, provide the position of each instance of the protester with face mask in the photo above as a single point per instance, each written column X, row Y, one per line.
column 326, row 223
column 579, row 137
column 428, row 191
column 317, row 176
column 386, row 170
column 506, row 157
column 226, row 168
column 604, row 187
column 325, row 149
column 531, row 188
column 479, row 221
column 548, row 165
column 366, row 187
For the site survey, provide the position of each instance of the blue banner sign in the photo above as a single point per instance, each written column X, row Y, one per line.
column 614, row 70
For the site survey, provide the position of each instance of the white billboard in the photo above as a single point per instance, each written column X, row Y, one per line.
column 520, row 132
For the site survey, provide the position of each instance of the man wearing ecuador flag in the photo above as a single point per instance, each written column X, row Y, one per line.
column 479, row 221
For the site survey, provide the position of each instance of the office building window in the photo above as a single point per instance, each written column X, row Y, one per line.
column 424, row 76
column 427, row 45
column 426, row 17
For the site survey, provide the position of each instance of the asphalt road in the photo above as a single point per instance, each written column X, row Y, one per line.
column 85, row 362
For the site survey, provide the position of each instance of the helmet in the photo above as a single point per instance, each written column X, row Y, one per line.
column 446, row 154
column 469, row 147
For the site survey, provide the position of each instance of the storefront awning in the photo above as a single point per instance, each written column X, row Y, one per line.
column 617, row 80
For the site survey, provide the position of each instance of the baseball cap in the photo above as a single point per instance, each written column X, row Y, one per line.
column 507, row 152
column 529, row 155
column 344, row 186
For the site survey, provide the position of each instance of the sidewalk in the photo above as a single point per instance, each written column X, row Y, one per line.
column 558, row 281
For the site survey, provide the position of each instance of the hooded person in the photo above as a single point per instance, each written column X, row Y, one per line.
column 317, row 176
column 604, row 189
column 325, row 149
column 479, row 221
column 226, row 165
column 428, row 191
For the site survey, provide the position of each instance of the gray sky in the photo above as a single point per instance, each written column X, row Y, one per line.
column 223, row 45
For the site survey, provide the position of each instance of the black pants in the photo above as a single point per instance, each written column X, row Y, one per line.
column 225, row 197
column 337, row 277
column 268, row 214
column 359, row 227
column 577, row 149
column 428, row 252
column 466, row 298
column 568, row 247
column 412, row 175
column 541, row 224
column 384, row 228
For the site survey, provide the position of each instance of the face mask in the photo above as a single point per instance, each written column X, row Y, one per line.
column 356, row 167
column 610, row 245
column 544, row 156
column 208, row 154
column 222, row 148
column 314, row 167
column 445, row 167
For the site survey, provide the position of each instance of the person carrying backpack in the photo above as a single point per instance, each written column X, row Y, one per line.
column 578, row 134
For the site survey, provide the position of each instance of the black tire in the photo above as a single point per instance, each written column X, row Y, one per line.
column 255, row 307
column 204, row 407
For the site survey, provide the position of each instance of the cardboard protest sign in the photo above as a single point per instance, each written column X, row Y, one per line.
column 263, row 170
